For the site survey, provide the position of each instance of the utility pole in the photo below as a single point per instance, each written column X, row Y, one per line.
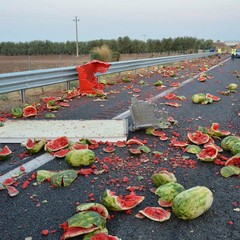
column 76, row 20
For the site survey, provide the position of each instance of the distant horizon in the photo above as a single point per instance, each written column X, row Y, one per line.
column 43, row 40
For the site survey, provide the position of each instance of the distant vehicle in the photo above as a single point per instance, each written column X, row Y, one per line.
column 238, row 53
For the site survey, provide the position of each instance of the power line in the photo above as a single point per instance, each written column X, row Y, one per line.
column 76, row 20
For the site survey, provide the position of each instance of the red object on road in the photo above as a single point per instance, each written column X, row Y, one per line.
column 86, row 74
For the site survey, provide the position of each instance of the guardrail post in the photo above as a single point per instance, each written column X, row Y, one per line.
column 68, row 85
column 23, row 95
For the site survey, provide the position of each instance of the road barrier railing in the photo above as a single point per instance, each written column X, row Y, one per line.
column 21, row 81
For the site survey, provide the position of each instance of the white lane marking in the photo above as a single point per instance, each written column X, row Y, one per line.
column 127, row 113
column 46, row 157
column 29, row 166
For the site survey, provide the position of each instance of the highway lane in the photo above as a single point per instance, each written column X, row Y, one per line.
column 42, row 207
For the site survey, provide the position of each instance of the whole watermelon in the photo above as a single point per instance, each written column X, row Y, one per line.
column 192, row 203
column 235, row 148
column 228, row 141
column 17, row 112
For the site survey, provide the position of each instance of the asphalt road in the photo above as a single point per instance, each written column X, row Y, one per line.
column 41, row 206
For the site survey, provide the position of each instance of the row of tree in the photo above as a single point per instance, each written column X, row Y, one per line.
column 121, row 45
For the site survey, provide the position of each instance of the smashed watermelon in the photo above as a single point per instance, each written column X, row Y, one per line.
column 56, row 144
column 208, row 154
column 162, row 177
column 154, row 213
column 5, row 153
column 35, row 146
column 198, row 137
column 119, row 203
column 96, row 207
column 234, row 160
column 82, row 223
column 29, row 111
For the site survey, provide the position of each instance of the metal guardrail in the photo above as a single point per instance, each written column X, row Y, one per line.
column 21, row 81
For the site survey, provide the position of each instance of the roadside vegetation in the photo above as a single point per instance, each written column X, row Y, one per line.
column 122, row 45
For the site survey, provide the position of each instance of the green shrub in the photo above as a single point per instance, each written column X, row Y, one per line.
column 102, row 53
column 116, row 56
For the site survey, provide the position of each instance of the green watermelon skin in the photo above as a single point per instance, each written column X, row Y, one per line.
column 82, row 157
column 192, row 203
column 235, row 149
column 228, row 142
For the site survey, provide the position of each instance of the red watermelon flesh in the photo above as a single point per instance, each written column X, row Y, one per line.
column 235, row 160
column 156, row 213
column 129, row 201
column 120, row 144
column 5, row 152
column 70, row 232
column 29, row 111
column 12, row 191
column 57, row 144
column 61, row 153
column 8, row 181
column 198, row 137
column 103, row 236
column 217, row 131
column 213, row 97
column 208, row 154
column 47, row 99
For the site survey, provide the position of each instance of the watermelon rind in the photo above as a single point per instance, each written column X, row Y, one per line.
column 103, row 236
column 56, row 144
column 97, row 207
column 235, row 148
column 228, row 141
column 213, row 97
column 29, row 111
column 198, row 137
column 43, row 175
column 35, row 146
column 216, row 132
column 208, row 154
column 5, row 152
column 198, row 98
column 134, row 141
column 64, row 178
column 192, row 202
column 232, row 86
column 207, row 101
column 17, row 112
column 90, row 235
column 144, row 149
column 162, row 177
column 12, row 191
column 86, row 219
column 135, row 151
column 117, row 203
column 164, row 203
column 169, row 191
column 61, row 153
column 81, row 157
column 157, row 214
column 70, row 232
column 228, row 171
column 234, row 160
column 194, row 149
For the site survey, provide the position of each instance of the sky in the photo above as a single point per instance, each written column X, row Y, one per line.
column 28, row 20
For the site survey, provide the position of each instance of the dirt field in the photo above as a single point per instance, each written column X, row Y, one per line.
column 25, row 63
